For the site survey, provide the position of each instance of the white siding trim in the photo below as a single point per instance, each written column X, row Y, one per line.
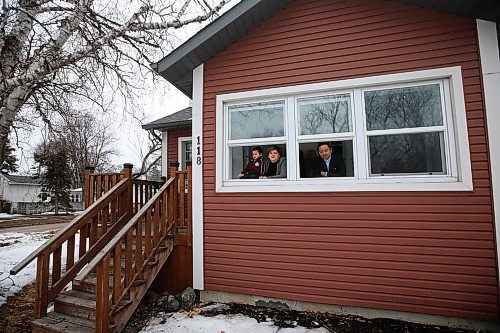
column 490, row 68
column 197, row 185
column 164, row 153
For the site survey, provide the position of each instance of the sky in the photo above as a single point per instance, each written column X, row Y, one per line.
column 16, row 246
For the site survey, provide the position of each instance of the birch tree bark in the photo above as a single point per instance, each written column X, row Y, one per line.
column 51, row 49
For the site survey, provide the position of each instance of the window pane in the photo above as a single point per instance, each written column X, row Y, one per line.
column 342, row 162
column 256, row 120
column 407, row 153
column 403, row 107
column 240, row 156
column 325, row 114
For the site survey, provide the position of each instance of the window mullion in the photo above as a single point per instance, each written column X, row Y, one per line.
column 360, row 146
column 291, row 122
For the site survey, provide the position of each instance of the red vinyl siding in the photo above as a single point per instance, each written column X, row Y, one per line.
column 410, row 251
column 173, row 143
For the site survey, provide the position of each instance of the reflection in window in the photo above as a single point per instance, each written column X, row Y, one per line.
column 407, row 154
column 342, row 159
column 256, row 120
column 407, row 107
column 325, row 114
column 240, row 156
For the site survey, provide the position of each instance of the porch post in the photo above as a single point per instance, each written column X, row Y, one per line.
column 89, row 186
column 128, row 204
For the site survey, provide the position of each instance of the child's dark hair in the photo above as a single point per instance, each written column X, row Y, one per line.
column 258, row 148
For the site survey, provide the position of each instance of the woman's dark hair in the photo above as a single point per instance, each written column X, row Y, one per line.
column 274, row 147
column 258, row 148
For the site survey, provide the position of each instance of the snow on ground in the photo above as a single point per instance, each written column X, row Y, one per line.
column 180, row 322
column 7, row 217
column 14, row 247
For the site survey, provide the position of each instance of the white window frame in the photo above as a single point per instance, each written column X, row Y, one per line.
column 180, row 155
column 459, row 174
column 447, row 116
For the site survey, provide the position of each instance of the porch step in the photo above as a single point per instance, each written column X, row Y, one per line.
column 89, row 284
column 76, row 303
column 58, row 322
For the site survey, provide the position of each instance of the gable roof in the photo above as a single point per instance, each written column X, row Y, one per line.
column 17, row 179
column 177, row 67
column 178, row 119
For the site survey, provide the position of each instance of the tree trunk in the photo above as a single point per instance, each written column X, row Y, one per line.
column 56, row 207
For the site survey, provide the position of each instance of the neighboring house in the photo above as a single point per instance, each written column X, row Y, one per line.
column 23, row 194
column 176, row 138
column 409, row 98
column 76, row 198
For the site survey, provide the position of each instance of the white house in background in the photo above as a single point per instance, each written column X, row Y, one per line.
column 76, row 198
column 24, row 193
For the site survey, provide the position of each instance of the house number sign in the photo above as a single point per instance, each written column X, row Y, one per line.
column 198, row 151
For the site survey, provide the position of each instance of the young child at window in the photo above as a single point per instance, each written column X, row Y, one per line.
column 255, row 167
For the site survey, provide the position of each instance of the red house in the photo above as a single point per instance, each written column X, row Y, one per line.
column 407, row 95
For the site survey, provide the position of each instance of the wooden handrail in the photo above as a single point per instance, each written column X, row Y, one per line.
column 75, row 224
column 122, row 233
column 134, row 245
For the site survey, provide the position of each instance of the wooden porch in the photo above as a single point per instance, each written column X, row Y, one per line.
column 96, row 270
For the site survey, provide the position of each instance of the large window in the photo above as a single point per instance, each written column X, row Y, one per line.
column 395, row 132
column 406, row 129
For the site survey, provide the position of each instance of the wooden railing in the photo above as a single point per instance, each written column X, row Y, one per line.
column 94, row 228
column 126, row 223
column 143, row 191
column 97, row 184
column 127, row 255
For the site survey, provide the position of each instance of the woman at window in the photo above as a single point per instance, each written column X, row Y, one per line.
column 275, row 165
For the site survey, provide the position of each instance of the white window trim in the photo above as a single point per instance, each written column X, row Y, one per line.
column 462, row 182
column 164, row 155
column 180, row 155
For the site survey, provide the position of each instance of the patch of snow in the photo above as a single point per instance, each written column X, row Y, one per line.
column 217, row 307
column 14, row 247
column 180, row 322
column 7, row 217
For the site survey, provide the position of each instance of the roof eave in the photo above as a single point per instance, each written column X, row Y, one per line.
column 169, row 126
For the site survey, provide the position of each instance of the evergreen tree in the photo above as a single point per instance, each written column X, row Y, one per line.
column 9, row 160
column 53, row 159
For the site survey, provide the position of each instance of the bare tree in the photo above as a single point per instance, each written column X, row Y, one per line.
column 150, row 159
column 50, row 49
column 88, row 141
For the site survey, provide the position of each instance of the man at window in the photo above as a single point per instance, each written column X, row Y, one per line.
column 327, row 165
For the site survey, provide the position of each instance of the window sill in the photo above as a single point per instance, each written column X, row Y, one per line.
column 392, row 184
